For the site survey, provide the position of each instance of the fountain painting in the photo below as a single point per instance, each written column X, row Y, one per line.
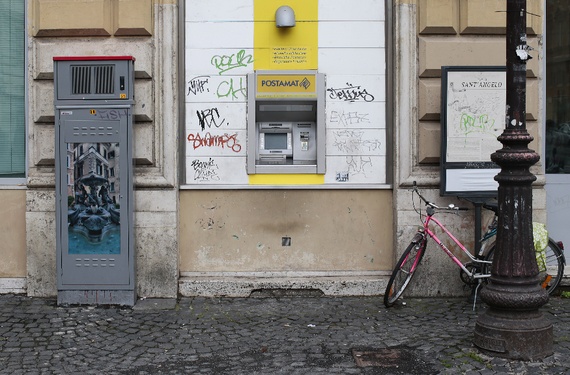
column 93, row 215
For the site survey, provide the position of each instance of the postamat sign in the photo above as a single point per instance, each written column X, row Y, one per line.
column 286, row 86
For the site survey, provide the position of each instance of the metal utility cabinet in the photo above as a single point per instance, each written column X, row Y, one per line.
column 94, row 99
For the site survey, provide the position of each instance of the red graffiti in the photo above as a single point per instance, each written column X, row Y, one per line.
column 209, row 140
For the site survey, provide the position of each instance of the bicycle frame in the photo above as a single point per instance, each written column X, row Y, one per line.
column 484, row 241
column 475, row 271
column 426, row 228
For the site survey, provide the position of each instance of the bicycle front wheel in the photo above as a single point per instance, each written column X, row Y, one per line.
column 550, row 266
column 404, row 271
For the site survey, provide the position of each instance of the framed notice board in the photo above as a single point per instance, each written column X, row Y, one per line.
column 473, row 111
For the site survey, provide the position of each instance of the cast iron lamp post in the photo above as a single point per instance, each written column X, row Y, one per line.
column 513, row 327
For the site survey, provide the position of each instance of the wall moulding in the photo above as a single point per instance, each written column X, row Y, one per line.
column 71, row 18
column 437, row 51
column 438, row 16
column 97, row 18
column 489, row 17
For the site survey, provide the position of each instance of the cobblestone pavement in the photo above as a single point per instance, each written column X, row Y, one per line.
column 272, row 335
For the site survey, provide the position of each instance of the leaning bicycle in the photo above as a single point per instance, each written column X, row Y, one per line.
column 477, row 270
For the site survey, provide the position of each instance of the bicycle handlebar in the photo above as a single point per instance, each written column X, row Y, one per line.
column 451, row 207
column 492, row 207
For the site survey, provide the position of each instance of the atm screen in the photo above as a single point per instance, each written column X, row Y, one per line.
column 276, row 141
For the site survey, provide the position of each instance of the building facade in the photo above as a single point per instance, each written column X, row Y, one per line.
column 206, row 223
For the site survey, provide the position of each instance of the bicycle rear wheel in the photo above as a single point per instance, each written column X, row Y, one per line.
column 551, row 269
column 404, row 270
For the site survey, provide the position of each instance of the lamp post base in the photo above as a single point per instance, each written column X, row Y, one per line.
column 526, row 336
column 513, row 327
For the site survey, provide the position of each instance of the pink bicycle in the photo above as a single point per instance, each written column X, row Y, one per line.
column 474, row 272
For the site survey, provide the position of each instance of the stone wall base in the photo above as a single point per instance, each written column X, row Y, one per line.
column 246, row 286
column 13, row 285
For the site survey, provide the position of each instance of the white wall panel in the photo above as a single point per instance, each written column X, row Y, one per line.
column 347, row 61
column 351, row 34
column 360, row 10
column 219, row 10
column 219, row 35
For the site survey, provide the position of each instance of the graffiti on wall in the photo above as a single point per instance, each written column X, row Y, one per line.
column 356, row 146
column 225, row 63
column 205, row 171
column 216, row 91
column 210, row 117
column 223, row 141
column 348, row 118
column 223, row 86
column 352, row 141
column 355, row 167
column 227, row 88
column 198, row 85
column 350, row 93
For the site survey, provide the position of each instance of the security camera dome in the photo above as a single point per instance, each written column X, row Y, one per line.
column 285, row 16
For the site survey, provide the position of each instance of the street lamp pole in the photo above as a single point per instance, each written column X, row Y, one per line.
column 513, row 327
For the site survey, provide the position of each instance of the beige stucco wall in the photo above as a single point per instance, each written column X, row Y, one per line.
column 13, row 234
column 148, row 31
column 242, row 231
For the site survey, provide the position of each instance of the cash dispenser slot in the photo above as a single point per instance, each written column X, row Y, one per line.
column 275, row 143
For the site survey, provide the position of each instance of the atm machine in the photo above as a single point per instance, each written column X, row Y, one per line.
column 286, row 122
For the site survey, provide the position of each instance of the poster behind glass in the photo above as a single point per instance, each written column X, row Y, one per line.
column 475, row 113
column 473, row 116
column 93, row 212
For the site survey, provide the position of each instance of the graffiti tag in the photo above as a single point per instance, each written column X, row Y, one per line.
column 198, row 85
column 348, row 118
column 352, row 141
column 226, row 140
column 226, row 63
column 233, row 89
column 205, row 170
column 210, row 118
column 350, row 93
